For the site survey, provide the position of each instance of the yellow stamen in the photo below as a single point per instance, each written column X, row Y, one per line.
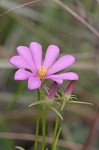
column 42, row 72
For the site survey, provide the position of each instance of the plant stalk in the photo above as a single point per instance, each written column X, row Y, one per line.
column 56, row 130
column 37, row 122
column 44, row 128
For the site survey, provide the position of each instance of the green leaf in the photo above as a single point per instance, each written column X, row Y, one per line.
column 56, row 103
column 55, row 110
column 78, row 102
column 36, row 103
column 19, row 148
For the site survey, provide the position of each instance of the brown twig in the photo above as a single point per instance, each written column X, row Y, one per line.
column 74, row 14
column 92, row 136
column 19, row 6
column 30, row 137
column 79, row 65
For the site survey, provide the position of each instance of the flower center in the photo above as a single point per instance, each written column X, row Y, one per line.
column 42, row 72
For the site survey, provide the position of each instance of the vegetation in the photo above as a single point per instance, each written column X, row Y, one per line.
column 73, row 25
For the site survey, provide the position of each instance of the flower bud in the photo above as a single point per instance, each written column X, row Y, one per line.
column 52, row 91
column 69, row 89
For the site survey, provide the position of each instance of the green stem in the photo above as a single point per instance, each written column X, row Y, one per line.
column 56, row 130
column 43, row 128
column 37, row 122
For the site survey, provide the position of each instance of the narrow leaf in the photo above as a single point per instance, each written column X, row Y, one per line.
column 78, row 102
column 55, row 110
column 36, row 103
column 19, row 148
column 57, row 103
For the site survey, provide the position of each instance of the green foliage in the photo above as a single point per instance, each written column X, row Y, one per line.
column 6, row 144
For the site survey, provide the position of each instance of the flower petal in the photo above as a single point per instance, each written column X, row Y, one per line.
column 22, row 74
column 25, row 53
column 61, row 64
column 36, row 50
column 18, row 62
column 34, row 83
column 64, row 76
column 59, row 81
column 51, row 55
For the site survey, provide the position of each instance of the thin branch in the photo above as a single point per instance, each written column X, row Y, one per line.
column 93, row 133
column 74, row 14
column 81, row 9
column 79, row 65
column 97, row 1
column 30, row 137
column 20, row 6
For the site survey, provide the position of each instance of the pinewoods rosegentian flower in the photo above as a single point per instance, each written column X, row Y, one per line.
column 31, row 59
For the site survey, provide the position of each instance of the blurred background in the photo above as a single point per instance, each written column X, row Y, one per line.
column 73, row 25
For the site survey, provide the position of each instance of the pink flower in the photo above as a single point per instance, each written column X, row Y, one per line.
column 31, row 59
